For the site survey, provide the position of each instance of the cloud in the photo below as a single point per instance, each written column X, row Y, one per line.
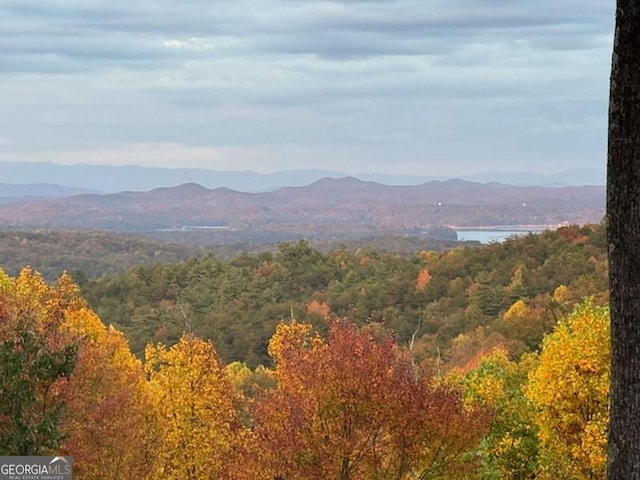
column 104, row 31
column 308, row 80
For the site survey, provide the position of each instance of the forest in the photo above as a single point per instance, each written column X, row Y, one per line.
column 475, row 362
column 507, row 293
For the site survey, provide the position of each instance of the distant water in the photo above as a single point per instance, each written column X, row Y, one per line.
column 488, row 236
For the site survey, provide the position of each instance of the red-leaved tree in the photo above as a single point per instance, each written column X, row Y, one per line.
column 353, row 407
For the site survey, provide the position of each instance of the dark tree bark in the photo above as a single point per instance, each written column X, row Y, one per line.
column 623, row 217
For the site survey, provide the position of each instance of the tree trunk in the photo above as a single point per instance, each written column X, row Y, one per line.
column 623, row 217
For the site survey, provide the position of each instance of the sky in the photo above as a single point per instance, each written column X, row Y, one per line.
column 424, row 87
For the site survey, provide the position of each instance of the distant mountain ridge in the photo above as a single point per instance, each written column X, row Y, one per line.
column 113, row 179
column 328, row 206
column 40, row 190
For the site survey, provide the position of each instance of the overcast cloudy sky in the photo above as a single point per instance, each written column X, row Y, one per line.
column 397, row 86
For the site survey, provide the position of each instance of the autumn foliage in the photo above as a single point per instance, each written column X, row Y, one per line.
column 36, row 361
column 570, row 388
column 550, row 409
column 109, row 417
column 196, row 411
column 95, row 407
column 345, row 403
column 354, row 407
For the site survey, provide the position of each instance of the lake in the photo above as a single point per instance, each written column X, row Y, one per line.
column 488, row 236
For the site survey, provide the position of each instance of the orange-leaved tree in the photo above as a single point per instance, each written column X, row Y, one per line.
column 109, row 422
column 354, row 407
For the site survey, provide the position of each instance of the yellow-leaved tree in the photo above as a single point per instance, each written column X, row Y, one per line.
column 36, row 360
column 197, row 404
column 510, row 449
column 570, row 389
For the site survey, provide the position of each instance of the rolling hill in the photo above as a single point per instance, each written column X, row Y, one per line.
column 326, row 206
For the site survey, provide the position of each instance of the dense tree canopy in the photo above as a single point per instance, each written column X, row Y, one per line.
column 353, row 387
column 468, row 291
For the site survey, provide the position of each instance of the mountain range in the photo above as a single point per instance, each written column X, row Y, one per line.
column 328, row 206
column 113, row 179
column 10, row 192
